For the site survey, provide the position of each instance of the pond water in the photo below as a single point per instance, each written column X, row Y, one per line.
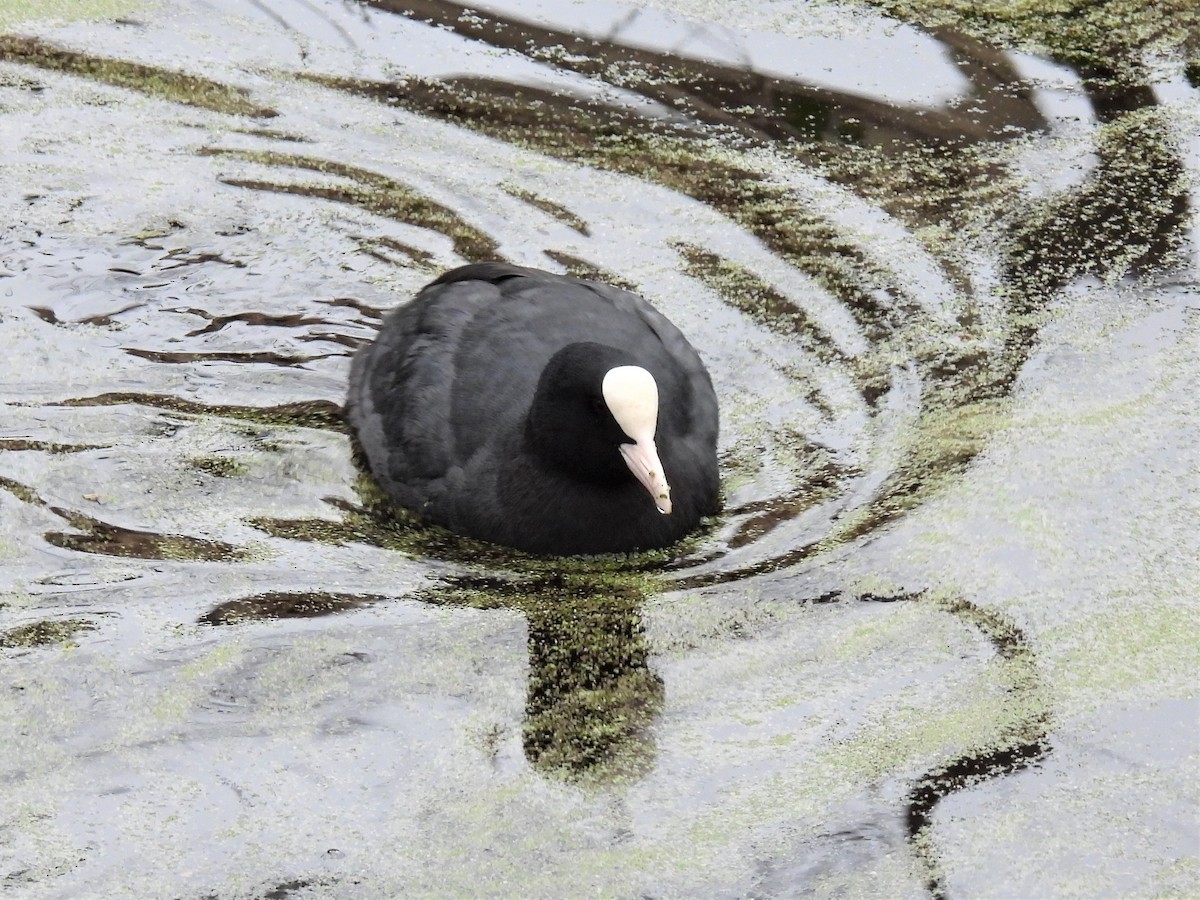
column 942, row 638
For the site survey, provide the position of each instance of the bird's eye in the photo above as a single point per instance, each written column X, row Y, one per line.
column 598, row 405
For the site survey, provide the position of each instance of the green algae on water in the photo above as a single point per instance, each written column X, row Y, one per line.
column 370, row 191
column 1109, row 38
column 284, row 605
column 114, row 540
column 1129, row 215
column 591, row 694
column 47, row 631
column 163, row 84
column 20, row 12
column 552, row 209
column 218, row 466
column 322, row 414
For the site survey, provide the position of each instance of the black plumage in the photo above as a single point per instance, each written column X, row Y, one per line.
column 479, row 407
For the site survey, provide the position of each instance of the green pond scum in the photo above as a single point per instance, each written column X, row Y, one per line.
column 1105, row 40
column 152, row 81
column 693, row 165
column 61, row 632
column 283, row 605
column 218, row 466
column 94, row 535
column 14, row 13
column 592, row 696
column 320, row 414
column 1003, row 722
column 1129, row 215
column 46, row 446
column 372, row 192
column 555, row 210
column 743, row 289
column 105, row 538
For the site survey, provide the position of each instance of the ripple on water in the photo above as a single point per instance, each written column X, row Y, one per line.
column 857, row 274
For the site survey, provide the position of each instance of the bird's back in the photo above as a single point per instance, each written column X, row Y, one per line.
column 439, row 401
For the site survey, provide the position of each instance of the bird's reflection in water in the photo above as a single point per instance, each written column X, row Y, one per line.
column 591, row 697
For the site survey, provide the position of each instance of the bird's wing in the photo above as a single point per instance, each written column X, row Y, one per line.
column 401, row 386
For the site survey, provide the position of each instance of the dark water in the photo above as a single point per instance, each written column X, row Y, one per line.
column 939, row 637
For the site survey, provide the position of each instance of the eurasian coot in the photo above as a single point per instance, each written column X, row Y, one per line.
column 538, row 411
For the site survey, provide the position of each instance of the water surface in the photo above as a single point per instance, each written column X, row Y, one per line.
column 941, row 640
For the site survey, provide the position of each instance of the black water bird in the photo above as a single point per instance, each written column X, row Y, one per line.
column 538, row 411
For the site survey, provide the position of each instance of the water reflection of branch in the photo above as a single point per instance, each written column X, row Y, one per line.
column 283, row 23
column 999, row 95
column 748, row 103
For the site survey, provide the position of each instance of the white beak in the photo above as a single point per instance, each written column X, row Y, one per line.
column 642, row 459
column 632, row 397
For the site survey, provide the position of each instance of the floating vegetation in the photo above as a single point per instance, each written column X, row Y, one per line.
column 591, row 695
column 113, row 540
column 821, row 485
column 371, row 312
column 946, row 194
column 1102, row 39
column 47, row 631
column 284, row 605
column 581, row 268
column 382, row 248
column 745, row 291
column 22, row 492
column 695, row 167
column 218, row 466
column 272, row 134
column 321, row 414
column 1023, row 727
column 262, row 357
column 555, row 210
column 372, row 192
column 105, row 320
column 217, row 323
column 1129, row 215
column 19, row 444
column 162, row 84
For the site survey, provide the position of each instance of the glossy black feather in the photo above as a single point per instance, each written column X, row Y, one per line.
column 441, row 403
